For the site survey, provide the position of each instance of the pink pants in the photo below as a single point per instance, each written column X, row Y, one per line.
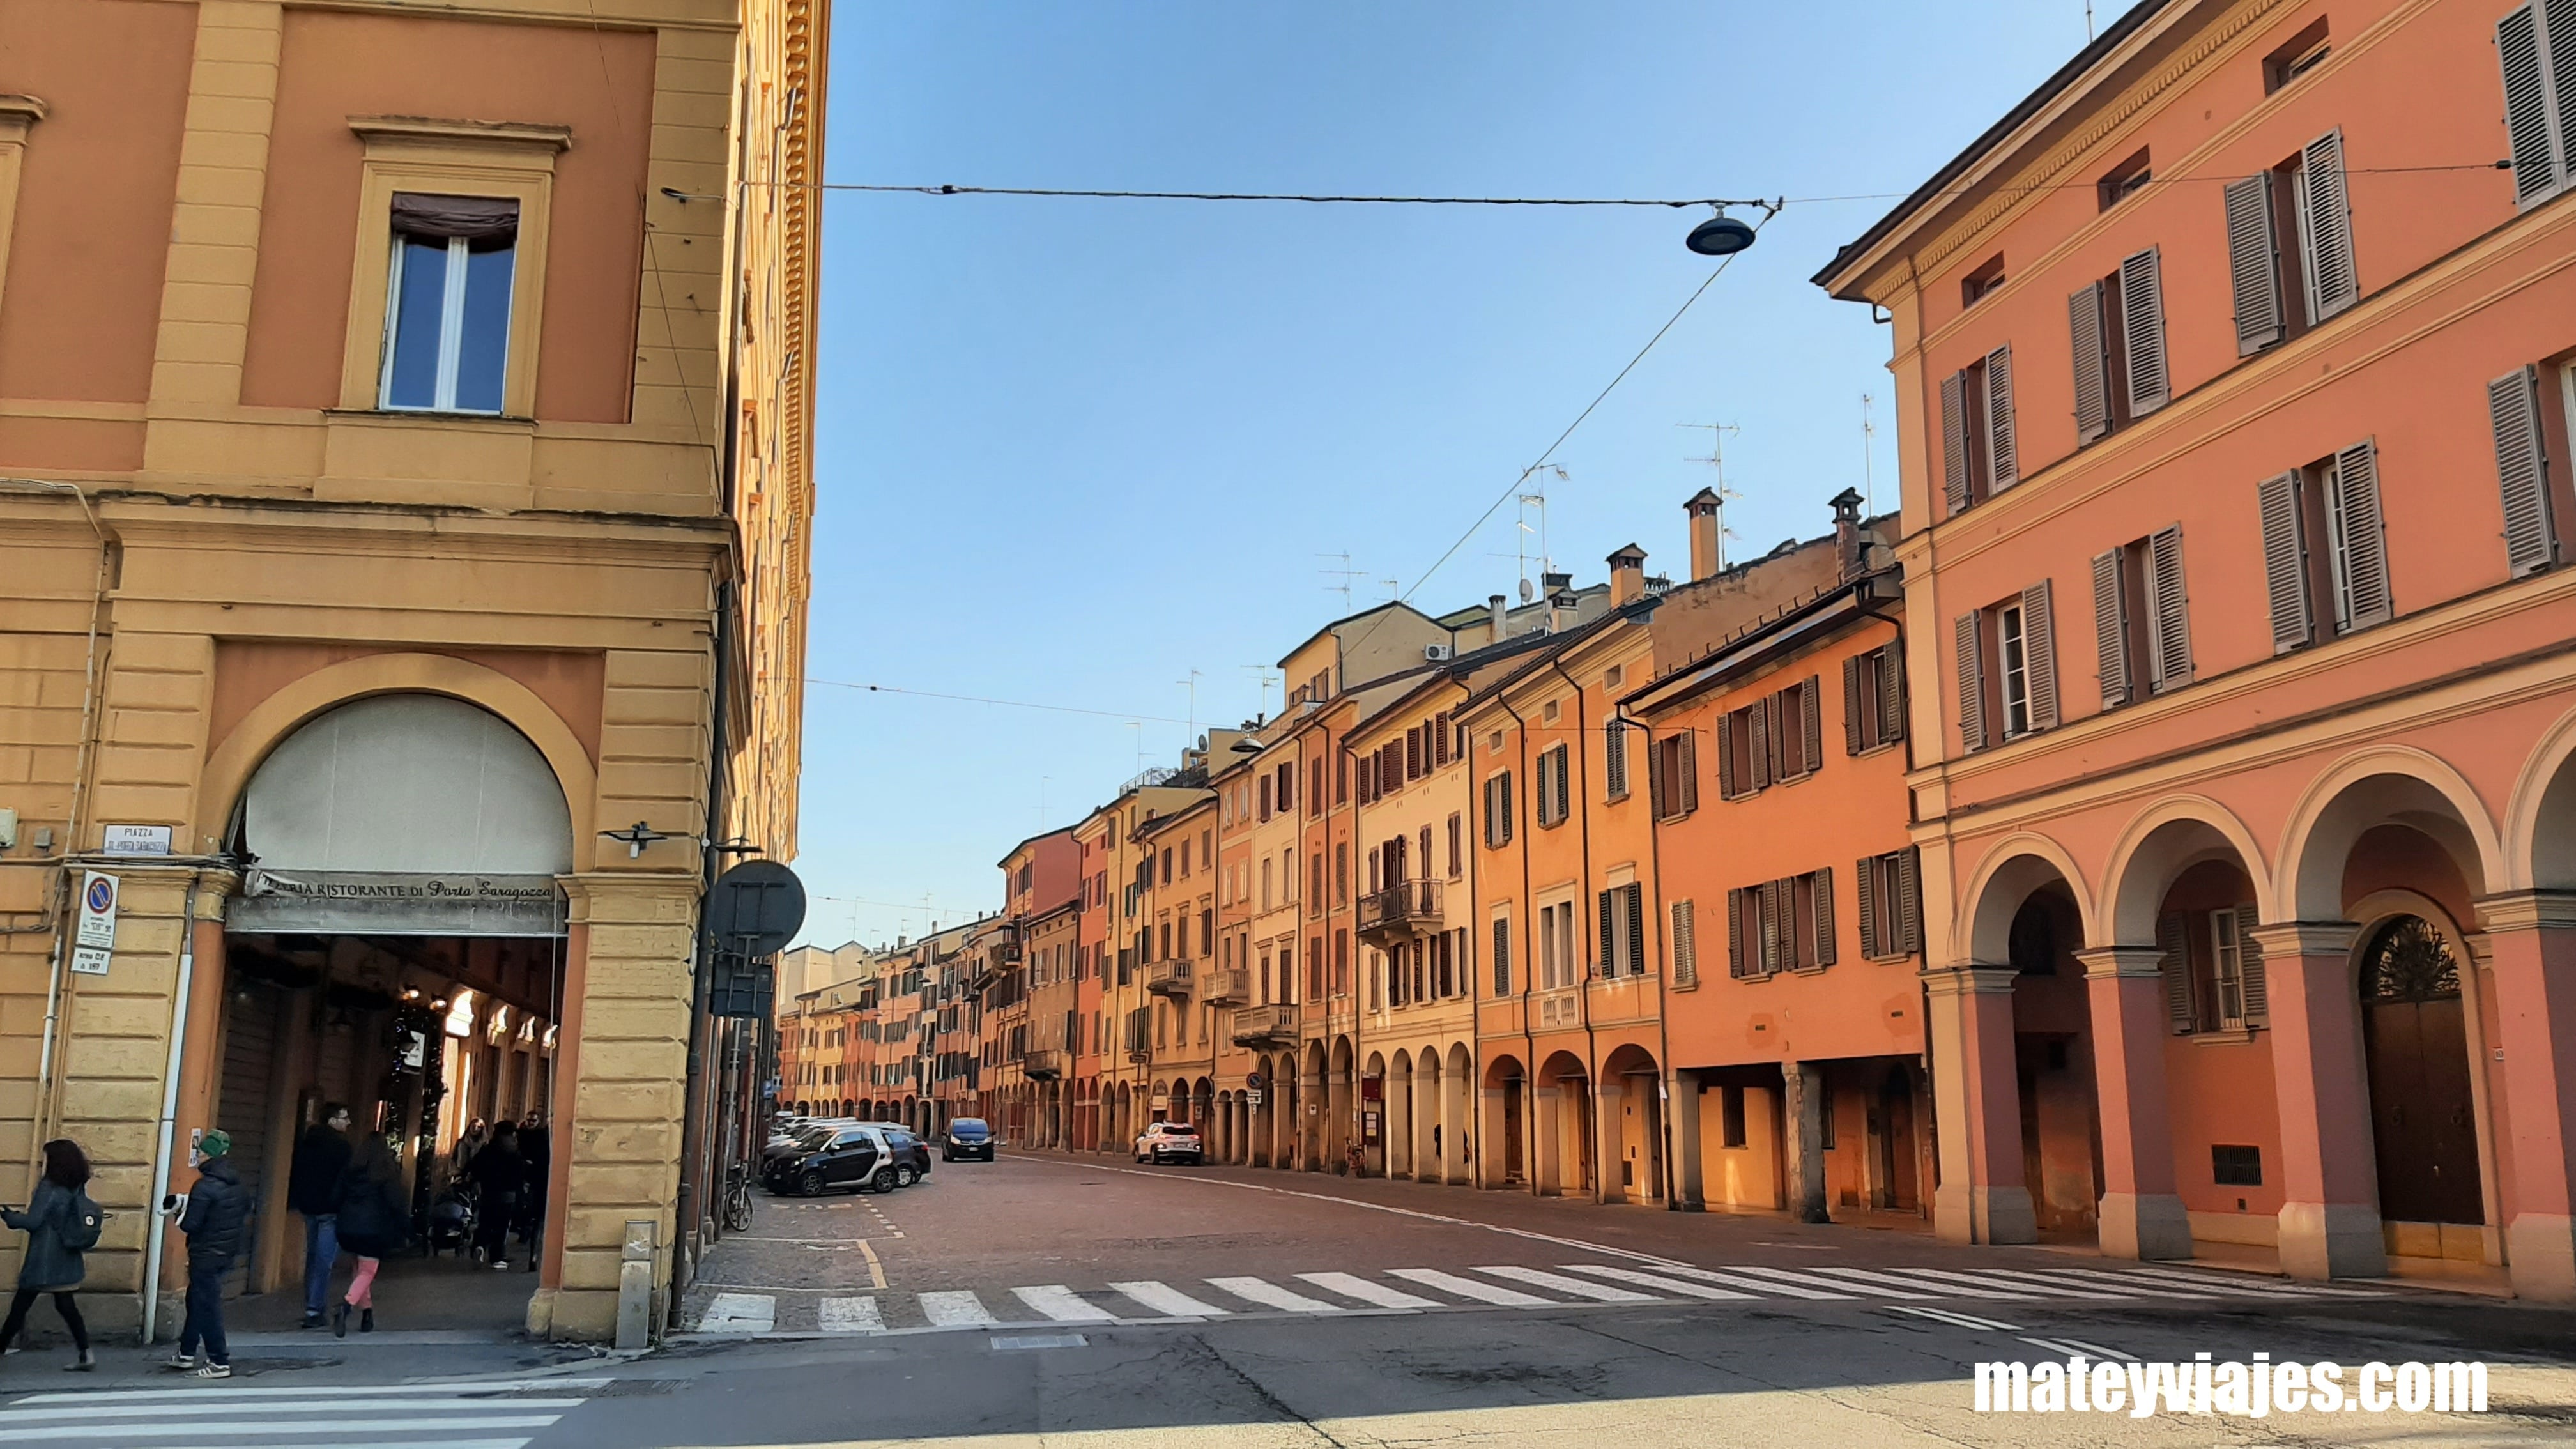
column 362, row 1287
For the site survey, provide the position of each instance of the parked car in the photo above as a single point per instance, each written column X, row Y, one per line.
column 1170, row 1142
column 968, row 1137
column 909, row 1149
column 853, row 1156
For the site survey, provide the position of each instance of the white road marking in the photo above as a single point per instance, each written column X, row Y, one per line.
column 1271, row 1295
column 1063, row 1305
column 2252, row 1284
column 739, row 1313
column 849, row 1315
column 2052, row 1278
column 192, row 1395
column 311, row 1405
column 1164, row 1298
column 1351, row 1285
column 1658, row 1281
column 1558, row 1282
column 268, row 1432
column 1470, row 1288
column 1778, row 1280
column 1894, row 1286
column 1938, row 1278
column 1955, row 1320
column 955, row 1310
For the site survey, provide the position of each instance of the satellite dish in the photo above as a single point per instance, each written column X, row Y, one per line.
column 1527, row 593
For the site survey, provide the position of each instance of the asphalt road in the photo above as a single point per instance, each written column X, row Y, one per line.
column 1046, row 1300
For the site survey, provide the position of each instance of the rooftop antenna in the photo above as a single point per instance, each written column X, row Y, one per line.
column 1536, row 498
column 1868, row 446
column 1394, row 588
column 2088, row 22
column 1261, row 676
column 1345, row 573
column 1042, row 787
column 1192, row 684
column 1718, row 433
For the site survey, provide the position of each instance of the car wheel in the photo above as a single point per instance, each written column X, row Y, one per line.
column 905, row 1177
column 884, row 1180
column 948, row 1157
column 811, row 1184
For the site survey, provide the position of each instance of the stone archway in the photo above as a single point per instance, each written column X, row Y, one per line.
column 1510, row 1113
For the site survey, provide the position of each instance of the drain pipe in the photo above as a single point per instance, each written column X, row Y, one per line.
column 157, row 1232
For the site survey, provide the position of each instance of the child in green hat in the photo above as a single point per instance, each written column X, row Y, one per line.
column 217, row 1218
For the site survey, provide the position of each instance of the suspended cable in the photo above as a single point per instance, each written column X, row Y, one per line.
column 1124, row 715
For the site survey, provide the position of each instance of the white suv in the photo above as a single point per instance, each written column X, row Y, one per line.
column 1170, row 1142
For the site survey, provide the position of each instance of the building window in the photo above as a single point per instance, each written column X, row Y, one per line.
column 2213, row 970
column 2536, row 45
column 1685, row 947
column 1555, row 797
column 1778, row 737
column 1891, row 905
column 1672, row 771
column 2297, row 56
column 2528, row 432
column 1502, row 954
column 1873, row 699
column 1982, row 283
column 1457, row 845
column 1498, row 810
column 2141, row 623
column 2007, row 666
column 2125, row 180
column 2289, row 232
column 2117, row 330
column 1623, row 931
column 2322, row 539
column 447, row 305
column 1614, row 759
column 1781, row 925
column 1560, row 962
column 1979, row 453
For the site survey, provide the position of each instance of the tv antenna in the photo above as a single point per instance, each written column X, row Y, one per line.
column 1718, row 433
column 1535, row 498
column 1261, row 674
column 1192, row 685
column 1868, row 446
column 1345, row 573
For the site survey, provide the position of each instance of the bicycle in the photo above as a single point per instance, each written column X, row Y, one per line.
column 737, row 1199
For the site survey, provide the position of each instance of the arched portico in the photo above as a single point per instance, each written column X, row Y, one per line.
column 1509, row 1115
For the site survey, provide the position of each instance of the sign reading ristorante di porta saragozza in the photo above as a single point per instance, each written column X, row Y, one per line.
column 518, row 889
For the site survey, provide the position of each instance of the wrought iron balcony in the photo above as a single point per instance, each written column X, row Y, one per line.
column 1399, row 911
column 1169, row 978
column 1043, row 1064
column 1227, row 986
column 1272, row 1025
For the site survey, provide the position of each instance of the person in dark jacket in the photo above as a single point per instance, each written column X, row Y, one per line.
column 216, row 1222
column 313, row 1189
column 536, row 1150
column 500, row 1173
column 375, row 1217
column 52, row 1265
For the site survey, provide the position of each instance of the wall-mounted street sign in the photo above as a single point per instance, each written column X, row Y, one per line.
column 94, row 937
column 135, row 840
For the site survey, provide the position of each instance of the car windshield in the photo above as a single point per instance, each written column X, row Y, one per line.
column 968, row 1127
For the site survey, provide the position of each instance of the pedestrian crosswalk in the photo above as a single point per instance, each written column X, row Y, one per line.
column 500, row 1414
column 741, row 1311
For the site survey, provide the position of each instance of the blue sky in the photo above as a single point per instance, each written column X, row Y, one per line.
column 1071, row 450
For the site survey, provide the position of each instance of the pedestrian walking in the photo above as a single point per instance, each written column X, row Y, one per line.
column 61, row 1224
column 471, row 1142
column 498, row 1173
column 215, row 1221
column 536, row 1151
column 313, row 1189
column 374, row 1222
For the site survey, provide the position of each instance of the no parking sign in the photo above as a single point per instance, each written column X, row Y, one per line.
column 95, row 936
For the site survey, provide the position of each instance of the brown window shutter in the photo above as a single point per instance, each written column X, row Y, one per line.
column 2173, row 939
column 1891, row 694
column 1954, row 442
column 2249, row 965
column 1685, row 764
column 2039, row 647
column 1811, row 697
column 2168, row 614
column 2537, row 155
column 1685, row 944
column 1909, row 899
column 2522, row 469
column 2365, row 544
column 2092, row 364
column 1614, row 759
column 1735, row 931
column 1853, row 743
column 2285, row 562
column 1763, row 711
column 2253, row 263
column 1779, row 933
column 1609, row 934
column 1820, row 892
column 2325, row 227
column 1564, row 789
column 2003, row 467
column 1632, row 897
column 1412, row 754
column 1440, row 738
column 1867, row 872
column 1969, row 633
column 1728, row 786
column 1655, row 776
column 2142, row 331
column 2111, row 629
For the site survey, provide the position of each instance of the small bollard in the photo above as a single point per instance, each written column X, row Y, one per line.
column 635, row 1286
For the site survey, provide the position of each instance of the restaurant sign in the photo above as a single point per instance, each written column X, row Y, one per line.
column 362, row 903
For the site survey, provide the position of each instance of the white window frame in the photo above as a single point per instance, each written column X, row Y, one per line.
column 2012, row 661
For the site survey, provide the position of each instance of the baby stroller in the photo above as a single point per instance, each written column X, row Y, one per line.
column 451, row 1220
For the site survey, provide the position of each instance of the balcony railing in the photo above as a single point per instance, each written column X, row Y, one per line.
column 1227, row 986
column 1043, row 1064
column 1169, row 978
column 1275, row 1024
column 1410, row 909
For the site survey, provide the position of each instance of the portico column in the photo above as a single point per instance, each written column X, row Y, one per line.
column 2142, row 1214
column 1976, row 1099
column 2329, row 1176
column 1687, row 1192
column 1802, row 1140
column 2532, row 938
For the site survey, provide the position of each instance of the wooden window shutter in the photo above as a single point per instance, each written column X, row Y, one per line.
column 1655, row 787
column 2173, row 939
column 2249, row 968
column 1391, row 768
column 1413, row 754
column 1779, row 942
column 2254, row 263
column 1954, row 442
column 2285, row 562
column 2003, row 467
column 1735, row 965
column 1614, row 759
column 1853, row 743
column 2168, row 612
column 2325, row 228
column 1891, row 694
column 2039, row 649
column 2142, row 331
column 2522, row 469
column 1820, row 893
column 1763, row 712
column 1909, row 900
column 1564, row 789
column 1440, row 738
column 1632, row 899
column 1728, row 767
column 1685, row 944
column 1866, row 871
column 1811, row 710
column 2531, row 110
column 2111, row 629
column 2365, row 543
column 1969, row 632
column 1609, row 938
column 1686, row 765
column 2092, row 364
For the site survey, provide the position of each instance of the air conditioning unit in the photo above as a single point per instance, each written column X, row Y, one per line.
column 1437, row 652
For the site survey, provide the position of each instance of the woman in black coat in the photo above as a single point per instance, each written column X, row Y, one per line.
column 375, row 1221
column 501, row 1174
column 52, row 1265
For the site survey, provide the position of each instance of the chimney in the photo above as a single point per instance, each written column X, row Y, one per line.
column 1494, row 609
column 1558, row 590
column 1703, row 509
column 1627, row 576
column 1847, row 543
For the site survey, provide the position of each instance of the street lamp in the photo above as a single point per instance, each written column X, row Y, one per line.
column 1719, row 236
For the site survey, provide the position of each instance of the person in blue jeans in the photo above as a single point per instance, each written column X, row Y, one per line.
column 215, row 1222
column 313, row 1190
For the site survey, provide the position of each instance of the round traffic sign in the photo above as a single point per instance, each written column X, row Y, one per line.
column 101, row 894
column 756, row 907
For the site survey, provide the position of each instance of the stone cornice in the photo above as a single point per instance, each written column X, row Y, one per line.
column 2306, row 938
column 433, row 131
column 2527, row 911
column 1969, row 978
column 2122, row 962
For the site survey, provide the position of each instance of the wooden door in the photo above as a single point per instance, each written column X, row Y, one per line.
column 2415, row 1041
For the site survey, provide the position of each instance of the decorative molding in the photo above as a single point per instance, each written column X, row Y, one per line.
column 2306, row 938
column 1969, row 978
column 18, row 112
column 431, row 131
column 2122, row 962
column 2533, row 910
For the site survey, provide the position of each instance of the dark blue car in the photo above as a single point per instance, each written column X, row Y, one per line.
column 967, row 1137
